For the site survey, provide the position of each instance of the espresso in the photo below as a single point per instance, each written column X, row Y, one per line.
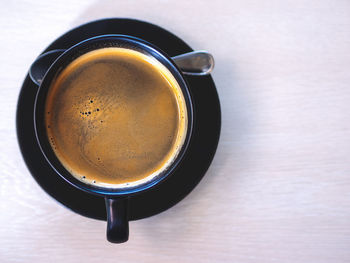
column 115, row 117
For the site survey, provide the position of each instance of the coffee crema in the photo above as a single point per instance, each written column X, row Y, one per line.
column 115, row 117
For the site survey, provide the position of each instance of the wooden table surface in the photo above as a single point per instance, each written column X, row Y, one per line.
column 278, row 189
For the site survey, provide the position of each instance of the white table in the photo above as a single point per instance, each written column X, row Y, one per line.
column 278, row 189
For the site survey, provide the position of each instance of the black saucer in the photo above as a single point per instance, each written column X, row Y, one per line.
column 186, row 177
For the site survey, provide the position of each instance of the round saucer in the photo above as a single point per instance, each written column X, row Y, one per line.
column 194, row 165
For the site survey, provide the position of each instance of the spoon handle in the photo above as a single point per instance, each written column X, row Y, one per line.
column 197, row 63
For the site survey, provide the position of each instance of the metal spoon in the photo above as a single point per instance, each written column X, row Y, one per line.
column 196, row 63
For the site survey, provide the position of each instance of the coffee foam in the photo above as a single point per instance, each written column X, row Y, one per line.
column 116, row 118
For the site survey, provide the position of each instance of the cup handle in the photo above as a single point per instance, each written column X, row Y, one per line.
column 41, row 65
column 117, row 219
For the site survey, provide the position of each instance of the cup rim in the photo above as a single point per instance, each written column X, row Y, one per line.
column 63, row 60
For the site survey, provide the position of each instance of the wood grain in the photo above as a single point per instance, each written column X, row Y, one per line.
column 278, row 189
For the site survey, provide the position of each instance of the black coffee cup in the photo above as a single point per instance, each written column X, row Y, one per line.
column 116, row 199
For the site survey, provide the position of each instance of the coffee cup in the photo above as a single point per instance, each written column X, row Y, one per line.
column 113, row 116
